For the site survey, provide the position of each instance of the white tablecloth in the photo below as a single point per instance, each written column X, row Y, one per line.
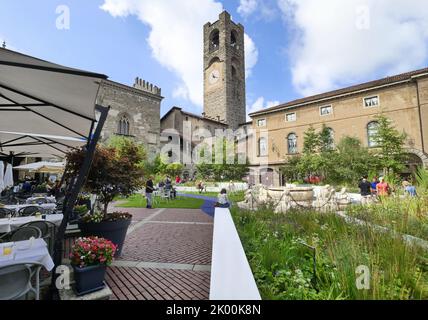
column 44, row 207
column 50, row 199
column 35, row 251
column 8, row 225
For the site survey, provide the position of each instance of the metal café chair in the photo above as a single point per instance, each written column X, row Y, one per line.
column 48, row 232
column 16, row 280
column 25, row 233
column 4, row 213
column 28, row 211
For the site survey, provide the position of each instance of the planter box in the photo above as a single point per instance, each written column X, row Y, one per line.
column 89, row 279
column 115, row 231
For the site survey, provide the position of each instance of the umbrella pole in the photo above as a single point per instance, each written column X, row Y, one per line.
column 75, row 187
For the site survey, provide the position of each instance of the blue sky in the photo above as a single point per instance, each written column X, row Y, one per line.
column 296, row 48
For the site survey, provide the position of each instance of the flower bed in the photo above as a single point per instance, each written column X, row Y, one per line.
column 307, row 255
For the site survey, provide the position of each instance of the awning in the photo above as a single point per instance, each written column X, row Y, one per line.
column 26, row 145
column 42, row 167
column 40, row 98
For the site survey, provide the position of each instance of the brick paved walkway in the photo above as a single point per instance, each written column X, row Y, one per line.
column 166, row 256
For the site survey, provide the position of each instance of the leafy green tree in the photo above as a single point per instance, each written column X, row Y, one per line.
column 390, row 146
column 117, row 169
column 352, row 161
column 311, row 141
column 325, row 139
column 174, row 169
column 223, row 171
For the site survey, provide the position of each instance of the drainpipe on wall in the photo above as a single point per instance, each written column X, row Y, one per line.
column 420, row 116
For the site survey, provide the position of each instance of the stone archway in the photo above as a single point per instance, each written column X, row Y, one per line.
column 420, row 154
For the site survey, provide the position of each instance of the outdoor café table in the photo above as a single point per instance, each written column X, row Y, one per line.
column 8, row 225
column 27, row 251
column 46, row 207
column 50, row 199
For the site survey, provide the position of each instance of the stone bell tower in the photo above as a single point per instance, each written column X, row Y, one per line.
column 224, row 71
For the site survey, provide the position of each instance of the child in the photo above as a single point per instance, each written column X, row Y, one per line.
column 222, row 199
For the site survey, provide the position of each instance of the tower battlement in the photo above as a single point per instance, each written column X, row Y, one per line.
column 146, row 86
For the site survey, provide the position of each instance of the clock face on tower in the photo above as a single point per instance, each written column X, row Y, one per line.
column 214, row 76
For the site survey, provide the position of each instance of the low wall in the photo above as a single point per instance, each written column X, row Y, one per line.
column 231, row 275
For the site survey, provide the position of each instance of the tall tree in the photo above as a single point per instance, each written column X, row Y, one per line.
column 390, row 146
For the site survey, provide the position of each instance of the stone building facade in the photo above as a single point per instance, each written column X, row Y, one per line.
column 173, row 132
column 135, row 112
column 279, row 131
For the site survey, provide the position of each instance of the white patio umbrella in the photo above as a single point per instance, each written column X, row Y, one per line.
column 43, row 167
column 8, row 176
column 1, row 176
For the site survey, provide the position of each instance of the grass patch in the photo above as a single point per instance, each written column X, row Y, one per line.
column 237, row 196
column 277, row 249
column 406, row 216
column 139, row 201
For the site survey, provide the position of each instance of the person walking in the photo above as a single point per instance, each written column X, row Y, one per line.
column 149, row 192
column 409, row 189
column 365, row 191
column 382, row 188
column 374, row 184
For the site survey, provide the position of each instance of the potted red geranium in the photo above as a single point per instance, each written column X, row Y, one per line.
column 89, row 259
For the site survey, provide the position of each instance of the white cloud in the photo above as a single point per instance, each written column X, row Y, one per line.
column 260, row 104
column 263, row 9
column 176, row 37
column 340, row 42
column 247, row 7
column 251, row 55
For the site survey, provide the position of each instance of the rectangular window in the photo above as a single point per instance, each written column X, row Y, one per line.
column 326, row 110
column 371, row 102
column 291, row 117
column 261, row 123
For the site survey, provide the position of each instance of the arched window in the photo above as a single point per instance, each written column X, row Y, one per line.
column 263, row 147
column 292, row 143
column 214, row 40
column 123, row 126
column 233, row 39
column 372, row 129
column 330, row 143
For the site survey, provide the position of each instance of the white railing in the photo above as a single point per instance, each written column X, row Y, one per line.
column 231, row 275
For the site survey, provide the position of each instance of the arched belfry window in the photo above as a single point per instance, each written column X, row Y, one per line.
column 234, row 39
column 214, row 40
column 123, row 126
